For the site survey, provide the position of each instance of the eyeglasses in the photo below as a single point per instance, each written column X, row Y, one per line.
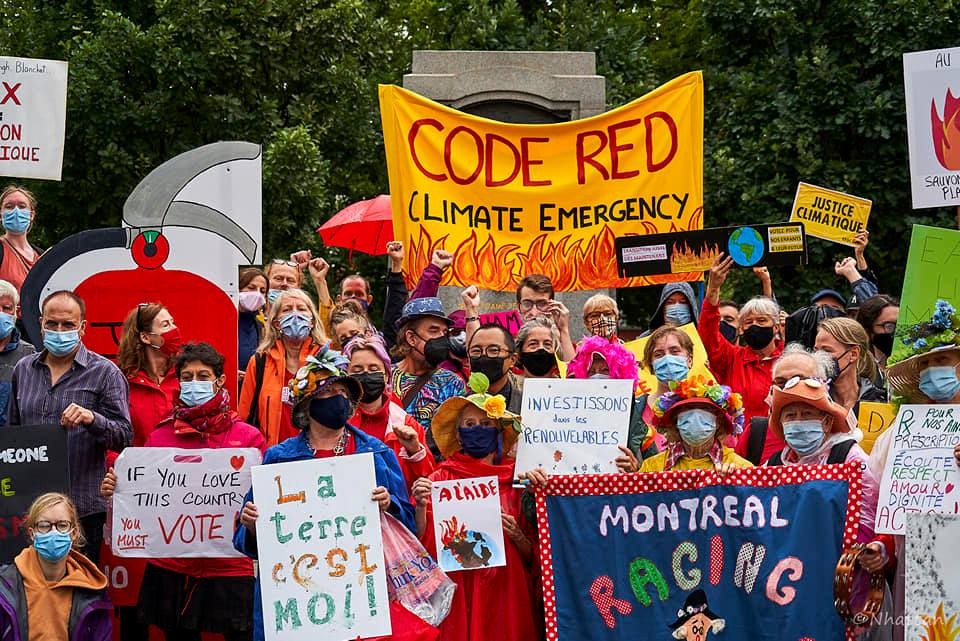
column 491, row 351
column 543, row 304
column 288, row 263
column 889, row 327
column 63, row 527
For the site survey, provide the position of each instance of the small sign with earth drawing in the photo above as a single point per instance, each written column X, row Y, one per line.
column 467, row 524
column 695, row 251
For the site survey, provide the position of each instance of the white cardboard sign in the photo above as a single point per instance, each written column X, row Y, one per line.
column 33, row 116
column 467, row 524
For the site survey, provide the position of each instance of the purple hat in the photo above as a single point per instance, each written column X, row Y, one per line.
column 422, row 308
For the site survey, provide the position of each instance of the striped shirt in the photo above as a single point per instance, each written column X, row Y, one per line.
column 92, row 382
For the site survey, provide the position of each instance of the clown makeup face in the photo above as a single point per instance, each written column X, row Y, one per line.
column 697, row 628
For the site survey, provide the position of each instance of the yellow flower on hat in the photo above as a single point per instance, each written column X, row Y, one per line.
column 495, row 406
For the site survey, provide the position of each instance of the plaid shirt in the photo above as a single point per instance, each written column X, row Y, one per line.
column 92, row 382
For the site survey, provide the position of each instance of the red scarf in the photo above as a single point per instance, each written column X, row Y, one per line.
column 213, row 417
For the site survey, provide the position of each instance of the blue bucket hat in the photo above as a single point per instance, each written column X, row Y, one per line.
column 832, row 293
column 422, row 308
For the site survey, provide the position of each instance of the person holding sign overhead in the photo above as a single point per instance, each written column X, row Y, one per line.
column 695, row 417
column 51, row 591
column 325, row 398
column 185, row 597
column 473, row 435
column 747, row 368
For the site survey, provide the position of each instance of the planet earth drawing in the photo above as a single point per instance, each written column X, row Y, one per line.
column 746, row 246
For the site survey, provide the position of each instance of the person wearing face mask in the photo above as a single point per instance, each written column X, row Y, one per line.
column 251, row 307
column 282, row 275
column 85, row 393
column 148, row 348
column 855, row 377
column 677, row 306
column 186, row 597
column 423, row 343
column 878, row 316
column 379, row 415
column 746, row 367
column 493, row 353
column 12, row 346
column 51, row 591
column 537, row 343
column 18, row 209
column 695, row 417
column 816, row 432
column 601, row 316
column 729, row 319
column 292, row 334
column 324, row 399
column 474, row 434
column 597, row 357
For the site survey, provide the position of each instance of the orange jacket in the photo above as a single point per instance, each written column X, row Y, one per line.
column 270, row 406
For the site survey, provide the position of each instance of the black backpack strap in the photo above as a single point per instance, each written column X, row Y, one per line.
column 260, row 363
column 776, row 460
column 758, row 436
column 838, row 453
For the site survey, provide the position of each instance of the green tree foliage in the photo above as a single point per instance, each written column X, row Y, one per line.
column 808, row 90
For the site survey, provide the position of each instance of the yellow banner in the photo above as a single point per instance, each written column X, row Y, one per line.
column 828, row 214
column 648, row 382
column 873, row 420
column 511, row 200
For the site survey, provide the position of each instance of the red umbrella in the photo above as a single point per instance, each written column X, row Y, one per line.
column 365, row 226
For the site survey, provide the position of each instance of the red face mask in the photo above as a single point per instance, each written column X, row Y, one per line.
column 172, row 342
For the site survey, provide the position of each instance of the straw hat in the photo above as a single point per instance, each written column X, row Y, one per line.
column 326, row 367
column 938, row 335
column 445, row 419
column 698, row 391
column 808, row 391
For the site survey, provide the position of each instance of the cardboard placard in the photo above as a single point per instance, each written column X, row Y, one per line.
column 467, row 524
column 323, row 576
column 873, row 420
column 179, row 503
column 33, row 461
column 830, row 215
column 573, row 426
column 695, row 251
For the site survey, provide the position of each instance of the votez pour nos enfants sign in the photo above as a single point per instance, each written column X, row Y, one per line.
column 173, row 502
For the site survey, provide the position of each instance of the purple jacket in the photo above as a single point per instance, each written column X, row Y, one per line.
column 89, row 614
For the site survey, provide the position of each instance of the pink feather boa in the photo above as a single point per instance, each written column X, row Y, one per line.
column 621, row 363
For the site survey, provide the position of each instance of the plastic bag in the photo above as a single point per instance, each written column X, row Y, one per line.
column 414, row 580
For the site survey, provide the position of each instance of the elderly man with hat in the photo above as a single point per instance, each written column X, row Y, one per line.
column 423, row 342
column 474, row 435
column 325, row 397
column 696, row 416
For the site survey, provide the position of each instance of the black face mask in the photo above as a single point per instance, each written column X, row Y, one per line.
column 757, row 337
column 837, row 370
column 729, row 331
column 436, row 350
column 884, row 342
column 373, row 384
column 492, row 368
column 539, row 362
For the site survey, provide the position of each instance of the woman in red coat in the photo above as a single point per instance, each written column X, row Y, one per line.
column 379, row 415
column 490, row 604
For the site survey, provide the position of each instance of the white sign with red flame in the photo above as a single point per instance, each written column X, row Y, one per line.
column 932, row 85
column 33, row 115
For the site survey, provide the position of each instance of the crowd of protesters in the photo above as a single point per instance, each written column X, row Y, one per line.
column 321, row 378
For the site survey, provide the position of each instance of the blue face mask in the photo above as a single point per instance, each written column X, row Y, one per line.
column 696, row 427
column 296, row 326
column 273, row 295
column 480, row 440
column 194, row 393
column 671, row 368
column 332, row 412
column 16, row 220
column 53, row 545
column 7, row 323
column 677, row 313
column 939, row 382
column 803, row 437
column 61, row 343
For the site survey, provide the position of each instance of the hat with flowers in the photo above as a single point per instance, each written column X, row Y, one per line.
column 940, row 334
column 698, row 391
column 320, row 371
column 447, row 416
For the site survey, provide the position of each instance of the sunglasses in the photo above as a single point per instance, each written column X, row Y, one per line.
column 280, row 261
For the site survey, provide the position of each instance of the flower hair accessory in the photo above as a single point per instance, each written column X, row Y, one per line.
column 699, row 387
column 324, row 365
column 495, row 406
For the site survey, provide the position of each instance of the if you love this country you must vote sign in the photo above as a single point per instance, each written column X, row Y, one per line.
column 510, row 200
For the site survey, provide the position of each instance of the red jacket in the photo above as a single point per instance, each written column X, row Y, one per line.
column 376, row 425
column 220, row 430
column 739, row 367
column 150, row 403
